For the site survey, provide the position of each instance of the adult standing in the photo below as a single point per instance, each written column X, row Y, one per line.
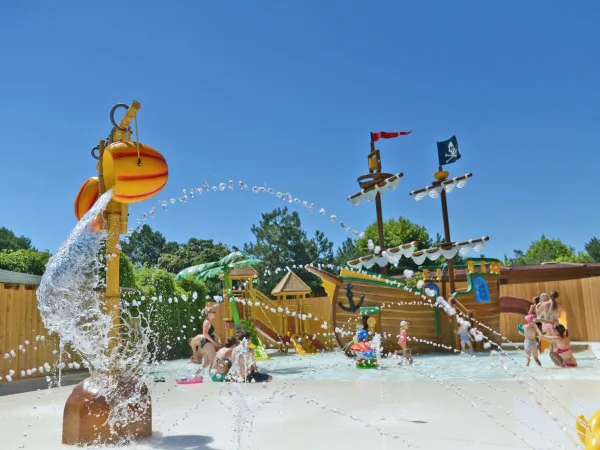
column 209, row 342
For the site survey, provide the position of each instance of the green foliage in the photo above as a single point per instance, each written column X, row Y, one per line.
column 248, row 325
column 10, row 242
column 396, row 232
column 347, row 252
column 546, row 250
column 593, row 249
column 158, row 292
column 281, row 242
column 24, row 261
column 194, row 252
column 146, row 246
column 126, row 272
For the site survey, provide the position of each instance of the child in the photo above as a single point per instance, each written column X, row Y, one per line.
column 406, row 353
column 465, row 337
column 244, row 368
column 222, row 362
column 531, row 333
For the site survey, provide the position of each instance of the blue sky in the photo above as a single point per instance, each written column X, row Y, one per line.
column 286, row 93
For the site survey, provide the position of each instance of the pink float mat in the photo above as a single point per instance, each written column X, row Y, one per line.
column 189, row 380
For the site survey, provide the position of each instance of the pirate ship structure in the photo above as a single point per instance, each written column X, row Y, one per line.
column 360, row 297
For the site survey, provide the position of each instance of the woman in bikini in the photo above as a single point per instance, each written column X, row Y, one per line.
column 563, row 356
column 209, row 342
column 550, row 312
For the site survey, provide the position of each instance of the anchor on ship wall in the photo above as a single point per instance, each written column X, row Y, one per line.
column 351, row 306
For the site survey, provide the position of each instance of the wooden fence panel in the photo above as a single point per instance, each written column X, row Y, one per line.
column 21, row 325
column 580, row 298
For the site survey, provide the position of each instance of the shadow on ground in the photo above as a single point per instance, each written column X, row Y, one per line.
column 39, row 383
column 183, row 442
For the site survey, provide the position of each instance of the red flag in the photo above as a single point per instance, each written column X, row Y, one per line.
column 388, row 135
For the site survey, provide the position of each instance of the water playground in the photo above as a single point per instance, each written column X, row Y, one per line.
column 434, row 357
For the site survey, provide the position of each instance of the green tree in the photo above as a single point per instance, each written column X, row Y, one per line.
column 396, row 232
column 24, row 261
column 593, row 249
column 546, row 250
column 280, row 242
column 516, row 260
column 126, row 272
column 193, row 252
column 169, row 313
column 10, row 242
column 346, row 252
column 146, row 246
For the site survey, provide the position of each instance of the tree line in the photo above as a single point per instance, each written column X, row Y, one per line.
column 149, row 263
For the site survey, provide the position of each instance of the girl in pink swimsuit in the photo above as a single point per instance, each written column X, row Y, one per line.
column 402, row 343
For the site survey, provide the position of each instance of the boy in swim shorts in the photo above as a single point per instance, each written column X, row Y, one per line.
column 530, row 344
column 466, row 340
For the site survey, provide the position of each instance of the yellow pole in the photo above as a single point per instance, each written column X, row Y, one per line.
column 116, row 222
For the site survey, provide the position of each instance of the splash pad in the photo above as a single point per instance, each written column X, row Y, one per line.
column 116, row 388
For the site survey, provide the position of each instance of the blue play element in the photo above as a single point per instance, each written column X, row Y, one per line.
column 362, row 336
column 482, row 293
column 520, row 328
column 433, row 287
column 369, row 354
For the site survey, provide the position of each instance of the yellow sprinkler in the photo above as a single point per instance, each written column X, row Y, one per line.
column 589, row 432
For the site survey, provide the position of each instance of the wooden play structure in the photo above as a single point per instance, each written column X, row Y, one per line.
column 281, row 323
column 357, row 290
column 385, row 305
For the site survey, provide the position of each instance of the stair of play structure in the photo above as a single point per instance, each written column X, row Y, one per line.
column 269, row 330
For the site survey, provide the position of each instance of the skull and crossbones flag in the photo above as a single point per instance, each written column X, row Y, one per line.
column 448, row 151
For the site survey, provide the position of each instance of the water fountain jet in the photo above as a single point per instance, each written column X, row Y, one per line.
column 113, row 405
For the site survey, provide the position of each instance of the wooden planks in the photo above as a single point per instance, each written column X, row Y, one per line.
column 21, row 325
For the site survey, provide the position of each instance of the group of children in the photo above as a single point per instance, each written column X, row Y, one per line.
column 234, row 361
column 543, row 324
column 466, row 341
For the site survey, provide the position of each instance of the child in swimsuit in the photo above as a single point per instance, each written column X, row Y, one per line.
column 563, row 356
column 222, row 362
column 465, row 337
column 406, row 353
column 531, row 332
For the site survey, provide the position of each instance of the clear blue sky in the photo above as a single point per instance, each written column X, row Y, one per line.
column 287, row 92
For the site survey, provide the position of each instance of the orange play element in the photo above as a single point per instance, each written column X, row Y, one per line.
column 86, row 197
column 134, row 179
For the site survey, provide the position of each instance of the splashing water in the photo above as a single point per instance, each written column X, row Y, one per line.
column 71, row 304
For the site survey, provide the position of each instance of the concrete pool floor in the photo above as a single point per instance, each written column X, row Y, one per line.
column 331, row 415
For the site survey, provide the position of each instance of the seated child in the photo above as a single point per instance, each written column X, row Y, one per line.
column 244, row 365
column 222, row 362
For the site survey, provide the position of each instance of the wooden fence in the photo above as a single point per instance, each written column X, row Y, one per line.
column 22, row 334
column 580, row 297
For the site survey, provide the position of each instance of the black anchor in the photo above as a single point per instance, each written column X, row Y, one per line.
column 351, row 306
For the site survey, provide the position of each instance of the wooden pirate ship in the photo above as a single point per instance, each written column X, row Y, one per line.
column 360, row 297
